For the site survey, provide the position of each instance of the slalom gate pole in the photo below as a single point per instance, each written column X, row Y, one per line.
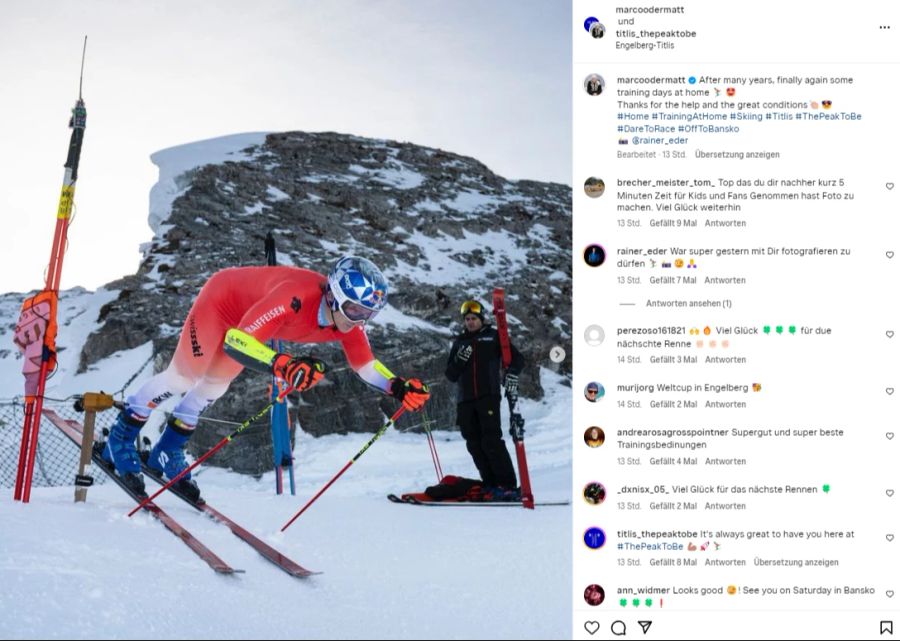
column 35, row 401
column 282, row 452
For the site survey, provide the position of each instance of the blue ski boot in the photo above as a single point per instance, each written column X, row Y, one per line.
column 121, row 451
column 167, row 457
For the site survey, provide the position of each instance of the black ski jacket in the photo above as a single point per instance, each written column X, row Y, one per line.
column 480, row 375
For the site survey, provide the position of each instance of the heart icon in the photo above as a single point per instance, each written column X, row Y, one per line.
column 889, row 390
column 889, row 333
column 889, row 254
column 889, row 537
column 591, row 626
column 890, row 594
column 889, row 492
column 890, row 435
column 889, row 186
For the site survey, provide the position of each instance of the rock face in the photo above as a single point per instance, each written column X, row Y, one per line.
column 442, row 227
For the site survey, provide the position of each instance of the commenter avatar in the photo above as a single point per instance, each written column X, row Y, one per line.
column 594, row 84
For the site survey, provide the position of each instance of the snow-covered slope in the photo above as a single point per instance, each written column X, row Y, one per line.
column 389, row 571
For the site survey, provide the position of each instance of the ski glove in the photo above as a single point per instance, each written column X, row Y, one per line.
column 301, row 372
column 512, row 387
column 411, row 392
column 464, row 353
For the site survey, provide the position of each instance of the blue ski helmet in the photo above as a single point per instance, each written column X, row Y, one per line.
column 358, row 288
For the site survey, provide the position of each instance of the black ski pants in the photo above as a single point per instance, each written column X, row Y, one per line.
column 479, row 422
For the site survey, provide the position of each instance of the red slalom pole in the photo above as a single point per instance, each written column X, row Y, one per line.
column 35, row 398
column 346, row 467
column 23, row 449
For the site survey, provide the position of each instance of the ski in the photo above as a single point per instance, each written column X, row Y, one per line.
column 516, row 422
column 72, row 430
column 410, row 500
column 267, row 551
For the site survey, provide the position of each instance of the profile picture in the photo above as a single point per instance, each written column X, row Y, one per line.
column 594, row 538
column 594, row 335
column 594, row 436
column 594, row 255
column 590, row 22
column 594, row 594
column 594, row 493
column 594, row 187
column 594, row 84
column 594, row 392
column 598, row 30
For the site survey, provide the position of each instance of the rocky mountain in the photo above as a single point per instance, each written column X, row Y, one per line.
column 442, row 227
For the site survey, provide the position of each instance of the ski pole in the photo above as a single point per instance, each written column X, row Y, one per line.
column 215, row 449
column 344, row 469
column 435, row 459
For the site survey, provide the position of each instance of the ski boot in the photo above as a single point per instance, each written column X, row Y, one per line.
column 500, row 493
column 121, row 452
column 167, row 458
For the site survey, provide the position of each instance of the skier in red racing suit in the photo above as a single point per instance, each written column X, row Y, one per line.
column 236, row 311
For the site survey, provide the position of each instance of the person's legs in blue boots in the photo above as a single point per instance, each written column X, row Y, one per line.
column 167, row 458
column 122, row 452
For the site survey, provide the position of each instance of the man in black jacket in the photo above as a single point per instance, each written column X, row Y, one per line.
column 474, row 364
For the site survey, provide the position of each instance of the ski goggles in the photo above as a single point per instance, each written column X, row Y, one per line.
column 471, row 307
column 356, row 313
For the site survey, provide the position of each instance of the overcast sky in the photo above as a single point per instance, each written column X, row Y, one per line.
column 483, row 79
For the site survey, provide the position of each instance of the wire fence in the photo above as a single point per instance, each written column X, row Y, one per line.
column 56, row 457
